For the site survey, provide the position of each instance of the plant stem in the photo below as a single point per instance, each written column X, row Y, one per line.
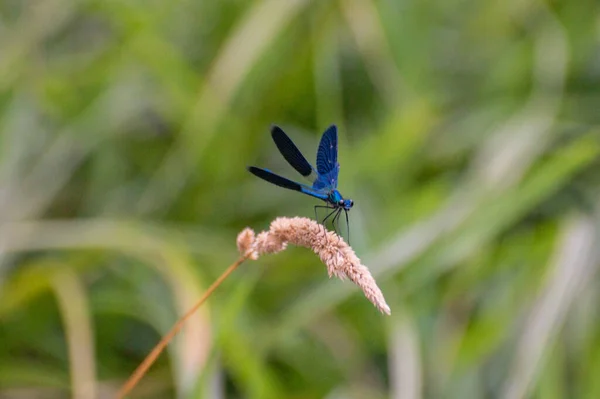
column 157, row 350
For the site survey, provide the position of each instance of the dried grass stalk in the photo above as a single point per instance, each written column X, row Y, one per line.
column 335, row 253
column 338, row 256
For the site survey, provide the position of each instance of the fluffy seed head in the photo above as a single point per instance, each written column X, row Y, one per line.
column 334, row 252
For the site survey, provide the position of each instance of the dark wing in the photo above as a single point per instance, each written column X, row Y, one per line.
column 273, row 178
column 327, row 152
column 291, row 153
column 327, row 164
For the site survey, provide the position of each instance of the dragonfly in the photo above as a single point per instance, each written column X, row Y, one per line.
column 324, row 178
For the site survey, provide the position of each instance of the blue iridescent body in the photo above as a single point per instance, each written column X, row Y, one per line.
column 324, row 178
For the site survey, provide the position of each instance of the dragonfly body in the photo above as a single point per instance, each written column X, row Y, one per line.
column 324, row 178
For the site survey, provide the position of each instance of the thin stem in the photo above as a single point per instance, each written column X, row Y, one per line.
column 153, row 355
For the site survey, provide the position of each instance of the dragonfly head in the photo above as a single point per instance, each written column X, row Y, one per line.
column 346, row 204
column 336, row 199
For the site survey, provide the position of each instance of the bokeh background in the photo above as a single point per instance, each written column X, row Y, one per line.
column 469, row 141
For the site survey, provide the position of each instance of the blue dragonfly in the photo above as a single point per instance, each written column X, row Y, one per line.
column 324, row 179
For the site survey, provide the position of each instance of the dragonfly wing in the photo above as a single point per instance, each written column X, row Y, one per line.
column 292, row 154
column 327, row 181
column 327, row 163
column 280, row 181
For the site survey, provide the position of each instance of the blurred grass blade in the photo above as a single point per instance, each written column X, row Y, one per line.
column 573, row 266
column 77, row 321
column 405, row 365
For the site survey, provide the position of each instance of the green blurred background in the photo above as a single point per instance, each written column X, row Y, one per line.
column 469, row 141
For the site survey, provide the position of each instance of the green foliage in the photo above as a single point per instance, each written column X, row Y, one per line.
column 469, row 141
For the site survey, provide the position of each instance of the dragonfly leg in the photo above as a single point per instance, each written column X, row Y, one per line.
column 330, row 213
column 319, row 206
column 334, row 212
column 336, row 220
column 317, row 218
column 347, row 226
